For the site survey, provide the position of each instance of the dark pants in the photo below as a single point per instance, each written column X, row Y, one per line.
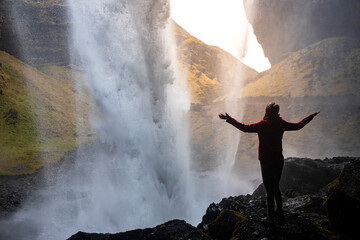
column 271, row 174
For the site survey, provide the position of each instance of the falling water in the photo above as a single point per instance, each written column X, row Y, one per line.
column 122, row 46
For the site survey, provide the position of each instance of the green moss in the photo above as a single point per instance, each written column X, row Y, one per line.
column 38, row 118
column 19, row 136
column 225, row 224
column 326, row 233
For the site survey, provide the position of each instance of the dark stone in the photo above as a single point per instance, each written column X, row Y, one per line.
column 250, row 207
column 343, row 203
column 283, row 26
column 225, row 224
column 304, row 218
column 172, row 230
column 295, row 227
column 306, row 176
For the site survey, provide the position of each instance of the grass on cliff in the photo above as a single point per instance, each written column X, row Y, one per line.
column 38, row 116
column 329, row 67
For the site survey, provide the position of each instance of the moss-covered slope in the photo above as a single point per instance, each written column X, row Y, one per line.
column 208, row 69
column 38, row 115
column 329, row 67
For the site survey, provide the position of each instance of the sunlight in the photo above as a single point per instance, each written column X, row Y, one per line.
column 221, row 23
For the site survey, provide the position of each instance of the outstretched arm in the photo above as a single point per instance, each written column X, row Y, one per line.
column 242, row 127
column 297, row 126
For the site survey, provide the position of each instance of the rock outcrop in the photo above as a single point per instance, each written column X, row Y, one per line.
column 343, row 202
column 172, row 230
column 283, row 26
column 306, row 176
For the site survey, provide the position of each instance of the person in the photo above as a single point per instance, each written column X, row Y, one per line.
column 270, row 131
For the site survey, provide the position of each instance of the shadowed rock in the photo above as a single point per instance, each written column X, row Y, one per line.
column 172, row 230
column 283, row 26
column 343, row 203
column 306, row 176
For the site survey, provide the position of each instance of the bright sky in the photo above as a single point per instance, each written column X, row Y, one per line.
column 221, row 23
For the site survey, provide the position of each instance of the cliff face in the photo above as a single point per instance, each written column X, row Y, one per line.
column 35, row 31
column 283, row 26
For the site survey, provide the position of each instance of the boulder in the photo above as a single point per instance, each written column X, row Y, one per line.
column 242, row 217
column 343, row 202
column 172, row 230
column 225, row 224
column 283, row 26
column 306, row 176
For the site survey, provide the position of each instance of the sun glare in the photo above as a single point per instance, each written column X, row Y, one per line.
column 221, row 23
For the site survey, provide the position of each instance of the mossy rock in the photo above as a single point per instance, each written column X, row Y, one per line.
column 343, row 202
column 224, row 225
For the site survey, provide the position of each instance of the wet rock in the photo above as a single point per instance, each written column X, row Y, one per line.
column 295, row 227
column 225, row 224
column 14, row 190
column 343, row 202
column 172, row 230
column 250, row 207
column 304, row 218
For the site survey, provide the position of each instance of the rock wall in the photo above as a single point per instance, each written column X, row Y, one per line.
column 283, row 26
column 35, row 31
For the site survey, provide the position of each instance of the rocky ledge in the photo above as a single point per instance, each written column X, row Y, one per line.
column 318, row 203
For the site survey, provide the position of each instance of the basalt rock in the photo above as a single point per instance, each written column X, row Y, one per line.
column 172, row 230
column 283, row 26
column 343, row 202
column 304, row 218
column 306, row 176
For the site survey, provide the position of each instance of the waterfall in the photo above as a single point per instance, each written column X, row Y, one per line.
column 122, row 46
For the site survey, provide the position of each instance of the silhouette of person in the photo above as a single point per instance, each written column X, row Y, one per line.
column 270, row 131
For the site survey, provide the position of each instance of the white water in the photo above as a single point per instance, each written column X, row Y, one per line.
column 137, row 175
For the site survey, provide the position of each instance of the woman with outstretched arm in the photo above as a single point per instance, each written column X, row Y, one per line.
column 270, row 131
